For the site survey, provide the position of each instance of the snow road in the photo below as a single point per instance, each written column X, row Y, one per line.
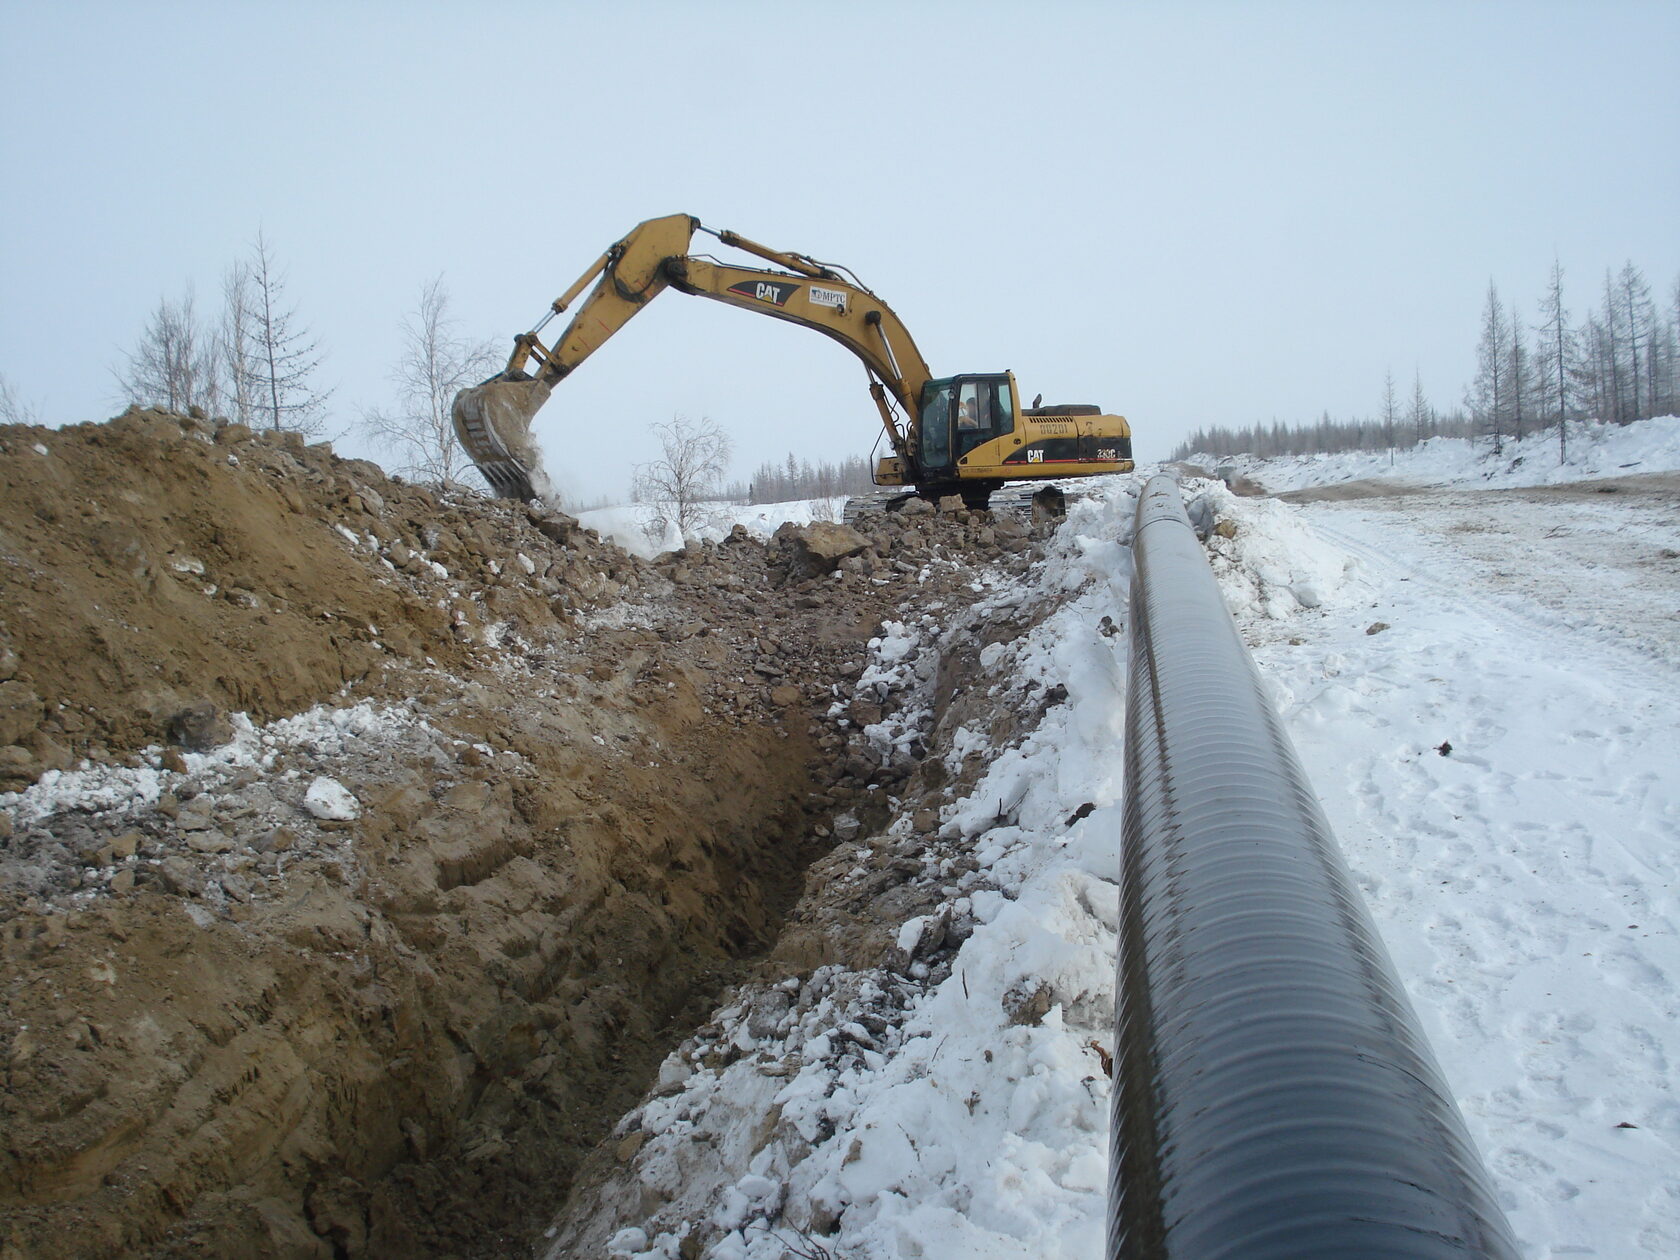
column 1524, row 877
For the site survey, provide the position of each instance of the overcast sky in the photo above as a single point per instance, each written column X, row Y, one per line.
column 1191, row 213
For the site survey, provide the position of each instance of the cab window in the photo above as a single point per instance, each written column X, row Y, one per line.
column 972, row 419
column 983, row 413
column 1003, row 409
column 936, row 424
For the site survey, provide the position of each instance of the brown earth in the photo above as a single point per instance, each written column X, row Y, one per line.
column 1662, row 488
column 1234, row 480
column 1346, row 491
column 585, row 788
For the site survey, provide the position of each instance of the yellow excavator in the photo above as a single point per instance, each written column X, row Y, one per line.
column 963, row 435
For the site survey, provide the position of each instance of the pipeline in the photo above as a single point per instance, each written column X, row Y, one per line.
column 1273, row 1096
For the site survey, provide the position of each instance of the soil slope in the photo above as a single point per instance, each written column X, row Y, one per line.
column 366, row 849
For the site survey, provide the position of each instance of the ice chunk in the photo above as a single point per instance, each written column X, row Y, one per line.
column 330, row 800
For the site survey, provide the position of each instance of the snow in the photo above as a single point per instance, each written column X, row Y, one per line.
column 324, row 731
column 1594, row 449
column 1274, row 565
column 329, row 799
column 628, row 525
column 1498, row 763
column 1524, row 879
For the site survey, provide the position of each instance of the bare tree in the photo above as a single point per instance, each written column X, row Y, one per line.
column 1674, row 351
column 1519, row 376
column 434, row 366
column 13, row 409
column 1557, row 354
column 281, row 357
column 1390, row 410
column 174, row 364
column 1634, row 299
column 1419, row 415
column 1608, row 346
column 239, row 365
column 695, row 456
column 1486, row 396
column 1666, row 395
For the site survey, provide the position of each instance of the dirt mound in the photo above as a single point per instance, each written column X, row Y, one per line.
column 466, row 819
column 154, row 562
column 1342, row 491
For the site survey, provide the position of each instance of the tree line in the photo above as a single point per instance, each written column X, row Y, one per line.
column 1619, row 364
column 795, row 478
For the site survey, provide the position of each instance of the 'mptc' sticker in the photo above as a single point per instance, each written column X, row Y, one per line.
column 828, row 297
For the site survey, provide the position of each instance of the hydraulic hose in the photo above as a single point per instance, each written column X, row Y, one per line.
column 1273, row 1095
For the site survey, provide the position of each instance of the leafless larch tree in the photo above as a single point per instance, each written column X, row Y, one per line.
column 435, row 364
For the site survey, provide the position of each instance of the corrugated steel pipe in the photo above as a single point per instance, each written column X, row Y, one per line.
column 1273, row 1094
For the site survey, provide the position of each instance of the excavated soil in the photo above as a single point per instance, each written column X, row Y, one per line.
column 1345, row 491
column 366, row 849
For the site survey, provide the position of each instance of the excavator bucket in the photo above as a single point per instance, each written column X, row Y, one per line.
column 493, row 422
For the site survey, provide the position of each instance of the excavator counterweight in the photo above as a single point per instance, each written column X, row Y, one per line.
column 962, row 435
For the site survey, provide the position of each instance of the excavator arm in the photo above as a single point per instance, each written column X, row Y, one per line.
column 493, row 419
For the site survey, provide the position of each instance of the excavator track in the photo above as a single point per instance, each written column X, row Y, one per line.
column 1015, row 499
column 861, row 505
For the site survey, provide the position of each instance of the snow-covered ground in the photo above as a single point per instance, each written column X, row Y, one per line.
column 1500, row 770
column 1483, row 691
column 1594, row 450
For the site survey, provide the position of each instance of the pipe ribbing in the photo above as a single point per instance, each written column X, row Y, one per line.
column 1273, row 1094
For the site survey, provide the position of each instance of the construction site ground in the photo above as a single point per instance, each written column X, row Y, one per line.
column 364, row 850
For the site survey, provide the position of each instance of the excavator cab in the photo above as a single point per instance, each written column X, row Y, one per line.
column 960, row 413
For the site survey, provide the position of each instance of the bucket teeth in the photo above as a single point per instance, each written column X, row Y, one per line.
column 493, row 423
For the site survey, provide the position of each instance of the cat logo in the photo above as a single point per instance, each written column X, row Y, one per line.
column 765, row 291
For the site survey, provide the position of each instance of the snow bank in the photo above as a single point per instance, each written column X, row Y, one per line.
column 628, row 524
column 1269, row 561
column 1595, row 450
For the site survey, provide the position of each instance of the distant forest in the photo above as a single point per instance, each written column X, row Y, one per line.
column 796, row 478
column 1621, row 363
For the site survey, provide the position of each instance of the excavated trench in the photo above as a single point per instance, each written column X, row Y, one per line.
column 410, row 1063
column 925, row 698
column 585, row 792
